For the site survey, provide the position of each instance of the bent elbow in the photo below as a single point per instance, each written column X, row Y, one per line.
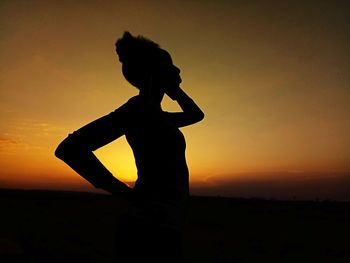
column 65, row 148
column 61, row 151
column 199, row 116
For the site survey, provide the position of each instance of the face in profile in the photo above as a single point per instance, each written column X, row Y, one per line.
column 164, row 72
column 158, row 69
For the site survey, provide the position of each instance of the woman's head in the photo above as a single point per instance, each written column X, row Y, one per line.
column 143, row 59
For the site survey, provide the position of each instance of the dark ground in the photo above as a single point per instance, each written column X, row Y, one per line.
column 47, row 226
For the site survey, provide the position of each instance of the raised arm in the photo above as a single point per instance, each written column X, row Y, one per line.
column 77, row 151
column 191, row 112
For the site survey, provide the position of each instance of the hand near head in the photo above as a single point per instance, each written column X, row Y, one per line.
column 162, row 81
column 172, row 91
column 167, row 78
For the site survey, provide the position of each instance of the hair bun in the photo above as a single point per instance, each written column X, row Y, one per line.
column 131, row 49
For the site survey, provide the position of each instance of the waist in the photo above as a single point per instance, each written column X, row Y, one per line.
column 159, row 191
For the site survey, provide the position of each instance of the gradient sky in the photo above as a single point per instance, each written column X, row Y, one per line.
column 273, row 78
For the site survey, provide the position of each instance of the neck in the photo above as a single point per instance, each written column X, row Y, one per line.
column 152, row 99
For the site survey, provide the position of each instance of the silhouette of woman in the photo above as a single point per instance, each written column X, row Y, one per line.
column 151, row 229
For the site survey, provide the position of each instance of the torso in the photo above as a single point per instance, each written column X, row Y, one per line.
column 159, row 151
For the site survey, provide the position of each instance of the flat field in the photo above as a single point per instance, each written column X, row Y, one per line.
column 50, row 226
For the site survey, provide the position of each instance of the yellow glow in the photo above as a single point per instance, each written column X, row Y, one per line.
column 118, row 158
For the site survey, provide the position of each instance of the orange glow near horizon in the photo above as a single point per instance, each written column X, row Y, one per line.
column 273, row 80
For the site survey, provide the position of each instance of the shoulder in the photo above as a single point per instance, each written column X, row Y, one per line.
column 133, row 102
column 127, row 109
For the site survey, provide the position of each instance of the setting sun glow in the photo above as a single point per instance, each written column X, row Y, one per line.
column 272, row 78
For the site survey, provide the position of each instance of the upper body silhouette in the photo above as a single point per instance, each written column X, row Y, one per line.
column 162, row 186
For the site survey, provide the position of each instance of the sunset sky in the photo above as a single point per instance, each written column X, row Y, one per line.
column 273, row 78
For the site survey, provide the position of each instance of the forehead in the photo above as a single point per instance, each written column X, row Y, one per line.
column 164, row 57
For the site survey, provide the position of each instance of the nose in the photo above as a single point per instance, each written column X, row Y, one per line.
column 177, row 70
